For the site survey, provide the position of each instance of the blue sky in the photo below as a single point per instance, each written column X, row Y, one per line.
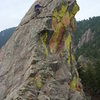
column 88, row 8
column 12, row 11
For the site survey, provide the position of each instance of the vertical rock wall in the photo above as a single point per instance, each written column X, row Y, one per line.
column 41, row 64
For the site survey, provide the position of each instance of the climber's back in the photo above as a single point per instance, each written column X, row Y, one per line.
column 37, row 7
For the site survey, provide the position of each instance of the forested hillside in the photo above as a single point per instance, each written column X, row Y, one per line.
column 91, row 49
column 5, row 35
column 82, row 26
column 89, row 62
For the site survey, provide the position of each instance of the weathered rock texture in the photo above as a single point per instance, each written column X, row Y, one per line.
column 37, row 62
column 0, row 57
column 86, row 37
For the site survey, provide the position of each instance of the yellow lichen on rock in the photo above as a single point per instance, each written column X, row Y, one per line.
column 63, row 11
column 39, row 82
column 43, row 39
column 56, row 37
column 66, row 19
column 74, row 11
column 73, row 57
column 74, row 83
column 68, row 47
column 60, row 21
column 31, row 80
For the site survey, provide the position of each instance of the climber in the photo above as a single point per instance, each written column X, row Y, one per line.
column 37, row 7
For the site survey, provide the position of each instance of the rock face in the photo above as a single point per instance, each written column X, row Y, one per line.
column 37, row 62
column 86, row 37
column 0, row 57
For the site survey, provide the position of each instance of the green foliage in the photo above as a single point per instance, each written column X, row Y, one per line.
column 91, row 74
column 82, row 26
column 5, row 35
column 91, row 78
column 91, row 49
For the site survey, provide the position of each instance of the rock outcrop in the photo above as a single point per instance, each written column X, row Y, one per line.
column 0, row 57
column 86, row 37
column 38, row 61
